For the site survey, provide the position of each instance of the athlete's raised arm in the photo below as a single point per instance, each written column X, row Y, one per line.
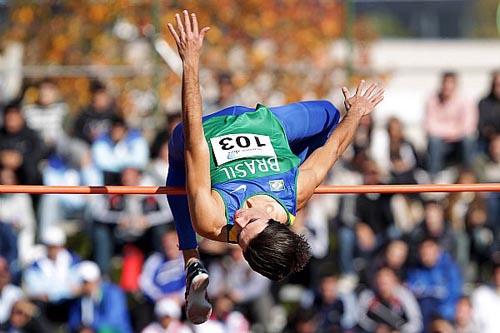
column 202, row 206
column 315, row 168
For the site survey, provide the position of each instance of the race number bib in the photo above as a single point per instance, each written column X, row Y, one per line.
column 231, row 147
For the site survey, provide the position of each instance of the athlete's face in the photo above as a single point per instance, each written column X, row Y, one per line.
column 250, row 222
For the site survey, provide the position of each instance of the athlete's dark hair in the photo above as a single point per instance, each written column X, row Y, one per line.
column 277, row 251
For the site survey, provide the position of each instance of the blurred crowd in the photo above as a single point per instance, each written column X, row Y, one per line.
column 381, row 263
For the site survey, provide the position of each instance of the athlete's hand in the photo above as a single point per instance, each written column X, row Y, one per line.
column 189, row 39
column 364, row 100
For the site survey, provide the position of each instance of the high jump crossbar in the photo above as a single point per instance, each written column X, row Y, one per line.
column 324, row 189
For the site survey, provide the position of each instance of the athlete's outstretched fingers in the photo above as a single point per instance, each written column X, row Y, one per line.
column 377, row 93
column 187, row 22
column 173, row 33
column 370, row 90
column 203, row 32
column 360, row 87
column 377, row 100
column 345, row 91
column 195, row 25
column 180, row 27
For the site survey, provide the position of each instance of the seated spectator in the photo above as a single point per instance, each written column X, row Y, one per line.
column 8, row 244
column 9, row 293
column 119, row 149
column 389, row 305
column 19, row 218
column 395, row 256
column 489, row 114
column 48, row 114
column 464, row 317
column 486, row 304
column 54, row 209
column 227, row 93
column 249, row 290
column 163, row 272
column 336, row 310
column 375, row 220
column 440, row 325
column 434, row 226
column 102, row 306
column 488, row 170
column 450, row 121
column 50, row 280
column 304, row 321
column 401, row 155
column 435, row 281
column 168, row 314
column 94, row 120
column 20, row 147
column 482, row 239
column 25, row 317
column 122, row 219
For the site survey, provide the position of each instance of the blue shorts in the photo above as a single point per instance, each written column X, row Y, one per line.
column 307, row 126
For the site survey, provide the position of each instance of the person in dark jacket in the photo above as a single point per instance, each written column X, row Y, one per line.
column 489, row 113
column 25, row 317
column 21, row 149
column 95, row 120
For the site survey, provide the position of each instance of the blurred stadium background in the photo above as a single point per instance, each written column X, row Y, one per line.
column 83, row 83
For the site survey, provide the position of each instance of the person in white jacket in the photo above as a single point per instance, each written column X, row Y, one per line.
column 486, row 304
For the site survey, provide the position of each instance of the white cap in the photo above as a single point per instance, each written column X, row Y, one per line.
column 53, row 236
column 88, row 271
column 167, row 308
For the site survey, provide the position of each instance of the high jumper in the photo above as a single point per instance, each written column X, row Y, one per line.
column 248, row 171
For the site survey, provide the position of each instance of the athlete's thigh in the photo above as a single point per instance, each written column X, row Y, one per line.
column 307, row 124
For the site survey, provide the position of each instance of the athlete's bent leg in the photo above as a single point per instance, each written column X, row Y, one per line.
column 307, row 124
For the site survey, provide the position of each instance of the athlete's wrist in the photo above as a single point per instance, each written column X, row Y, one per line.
column 191, row 64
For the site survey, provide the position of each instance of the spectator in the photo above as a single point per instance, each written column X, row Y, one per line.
column 9, row 293
column 489, row 113
column 440, row 325
column 389, row 306
column 50, row 280
column 54, row 209
column 395, row 256
column 163, row 273
column 168, row 313
column 95, row 120
column 19, row 218
column 435, row 281
column 20, row 147
column 450, row 120
column 434, row 226
column 48, row 114
column 401, row 155
column 119, row 149
column 375, row 220
column 335, row 308
column 102, row 306
column 25, row 317
column 120, row 219
column 482, row 239
column 464, row 317
column 232, row 276
column 164, row 134
column 227, row 92
column 486, row 304
column 488, row 170
column 8, row 244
